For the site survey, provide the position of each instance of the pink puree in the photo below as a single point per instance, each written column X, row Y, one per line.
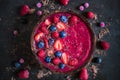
column 77, row 44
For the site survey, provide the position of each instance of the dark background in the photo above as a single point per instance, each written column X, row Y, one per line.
column 13, row 47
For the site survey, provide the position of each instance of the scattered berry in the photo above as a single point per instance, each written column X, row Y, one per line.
column 40, row 44
column 73, row 62
column 39, row 13
column 56, row 61
column 61, row 26
column 52, row 28
column 105, row 45
column 97, row 60
column 81, row 8
column 90, row 15
column 73, row 20
column 63, row 19
column 39, row 5
column 51, row 41
column 61, row 66
column 41, row 53
column 17, row 64
column 58, row 54
column 63, row 34
column 55, row 19
column 84, row 74
column 55, row 34
column 21, row 60
column 64, row 2
column 86, row 5
column 38, row 36
column 58, row 45
column 64, row 58
column 23, row 74
column 102, row 24
column 24, row 10
column 48, row 59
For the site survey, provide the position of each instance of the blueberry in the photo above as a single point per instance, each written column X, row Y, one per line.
column 52, row 28
column 63, row 19
column 61, row 66
column 63, row 34
column 97, row 60
column 17, row 64
column 40, row 44
column 58, row 54
column 51, row 41
column 48, row 59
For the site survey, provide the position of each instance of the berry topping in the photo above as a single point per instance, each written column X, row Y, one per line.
column 56, row 61
column 61, row 66
column 41, row 53
column 58, row 54
column 58, row 45
column 17, row 64
column 51, row 41
column 97, row 60
column 63, row 34
column 47, row 22
column 73, row 62
column 55, row 19
column 90, row 15
column 63, row 19
column 38, row 36
column 52, row 28
column 61, row 26
column 64, row 2
column 64, row 58
column 73, row 20
column 40, row 44
column 55, row 34
column 102, row 24
column 81, row 8
column 86, row 5
column 23, row 74
column 48, row 59
column 84, row 74
column 44, row 29
column 46, row 42
column 105, row 45
column 24, row 10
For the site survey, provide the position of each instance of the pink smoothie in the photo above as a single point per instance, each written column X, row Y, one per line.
column 77, row 44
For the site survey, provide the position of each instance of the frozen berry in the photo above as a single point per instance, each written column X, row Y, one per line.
column 52, row 28
column 58, row 54
column 55, row 19
column 23, row 74
column 55, row 34
column 48, row 59
column 58, row 45
column 64, row 2
column 41, row 53
column 39, row 5
column 61, row 66
column 102, row 24
column 73, row 20
column 17, row 64
column 51, row 41
column 97, row 60
column 86, row 5
column 105, row 45
column 56, row 61
column 63, row 19
column 24, row 10
column 84, row 74
column 90, row 15
column 81, row 8
column 40, row 44
column 63, row 34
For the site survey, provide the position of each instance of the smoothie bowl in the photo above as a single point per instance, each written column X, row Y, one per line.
column 63, row 42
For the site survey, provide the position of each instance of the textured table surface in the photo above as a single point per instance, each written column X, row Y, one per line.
column 13, row 47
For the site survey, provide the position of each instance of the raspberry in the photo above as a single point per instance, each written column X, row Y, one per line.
column 64, row 2
column 84, row 74
column 23, row 74
column 24, row 10
column 105, row 45
column 90, row 15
